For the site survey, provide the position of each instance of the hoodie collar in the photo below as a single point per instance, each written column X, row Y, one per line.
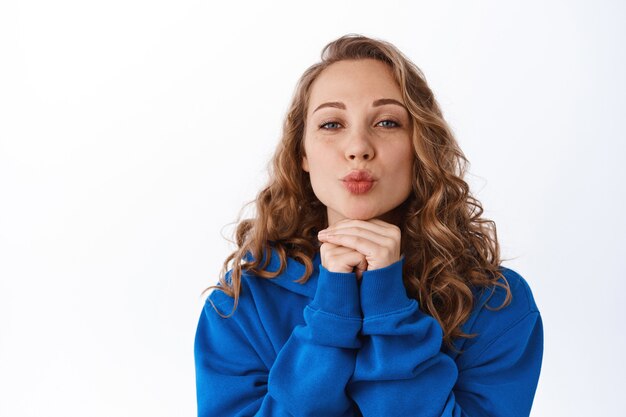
column 293, row 271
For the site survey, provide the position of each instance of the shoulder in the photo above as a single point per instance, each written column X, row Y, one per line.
column 255, row 295
column 263, row 316
column 522, row 300
column 230, row 338
column 230, row 323
column 220, row 298
column 490, row 309
column 491, row 319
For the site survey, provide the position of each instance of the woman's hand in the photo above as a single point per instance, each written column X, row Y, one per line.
column 341, row 259
column 362, row 244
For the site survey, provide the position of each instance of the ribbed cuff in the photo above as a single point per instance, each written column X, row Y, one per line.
column 382, row 290
column 337, row 293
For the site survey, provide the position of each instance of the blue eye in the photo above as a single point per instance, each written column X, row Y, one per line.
column 329, row 125
column 388, row 123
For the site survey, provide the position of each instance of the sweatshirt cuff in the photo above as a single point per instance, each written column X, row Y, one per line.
column 383, row 292
column 337, row 293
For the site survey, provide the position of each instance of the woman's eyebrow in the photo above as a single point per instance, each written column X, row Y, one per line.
column 383, row 101
column 336, row 104
column 376, row 103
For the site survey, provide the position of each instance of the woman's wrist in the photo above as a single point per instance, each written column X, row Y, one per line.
column 382, row 290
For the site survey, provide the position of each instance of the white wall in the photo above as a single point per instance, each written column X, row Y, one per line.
column 132, row 132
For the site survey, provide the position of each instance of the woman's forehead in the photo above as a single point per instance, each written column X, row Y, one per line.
column 354, row 81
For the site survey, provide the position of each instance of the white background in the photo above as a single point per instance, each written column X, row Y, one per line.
column 132, row 133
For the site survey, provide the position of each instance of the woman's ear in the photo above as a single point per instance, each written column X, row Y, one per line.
column 305, row 164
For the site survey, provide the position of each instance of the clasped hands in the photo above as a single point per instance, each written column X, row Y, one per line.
column 359, row 246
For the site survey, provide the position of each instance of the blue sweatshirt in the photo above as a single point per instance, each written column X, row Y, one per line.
column 334, row 347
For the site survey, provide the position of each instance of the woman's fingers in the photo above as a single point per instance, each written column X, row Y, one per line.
column 378, row 241
column 336, row 258
column 377, row 256
column 359, row 234
column 375, row 226
column 352, row 240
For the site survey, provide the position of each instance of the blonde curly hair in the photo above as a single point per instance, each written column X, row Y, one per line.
column 449, row 248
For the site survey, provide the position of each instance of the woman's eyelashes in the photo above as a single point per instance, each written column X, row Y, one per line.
column 385, row 123
column 329, row 125
column 389, row 123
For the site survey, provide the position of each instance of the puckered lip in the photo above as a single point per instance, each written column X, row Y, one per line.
column 359, row 175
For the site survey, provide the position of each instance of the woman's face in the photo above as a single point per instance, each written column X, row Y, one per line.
column 357, row 141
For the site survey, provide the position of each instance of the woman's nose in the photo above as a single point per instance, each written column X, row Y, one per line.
column 359, row 146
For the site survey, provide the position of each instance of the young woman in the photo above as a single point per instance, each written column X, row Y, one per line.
column 368, row 283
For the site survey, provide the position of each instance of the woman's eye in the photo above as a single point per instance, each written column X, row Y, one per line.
column 329, row 125
column 388, row 123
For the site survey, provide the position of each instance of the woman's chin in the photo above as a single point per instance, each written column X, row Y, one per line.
column 361, row 214
column 368, row 212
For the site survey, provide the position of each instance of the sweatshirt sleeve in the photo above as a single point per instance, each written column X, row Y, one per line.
column 310, row 372
column 400, row 369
